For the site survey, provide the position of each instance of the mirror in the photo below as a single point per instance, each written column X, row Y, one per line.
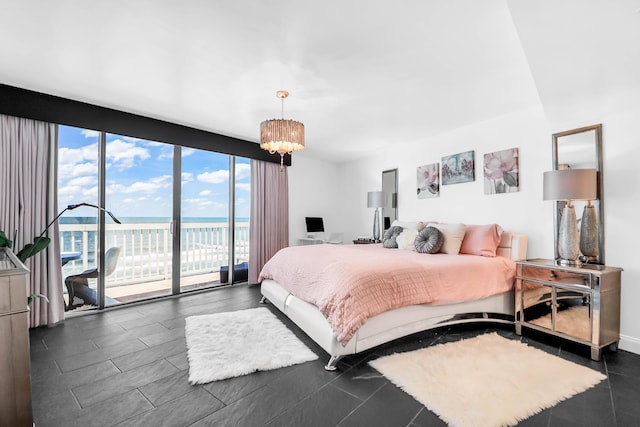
column 581, row 149
column 390, row 189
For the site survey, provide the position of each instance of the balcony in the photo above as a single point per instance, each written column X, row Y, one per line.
column 144, row 267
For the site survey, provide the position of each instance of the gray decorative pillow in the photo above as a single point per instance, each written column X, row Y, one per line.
column 389, row 238
column 429, row 241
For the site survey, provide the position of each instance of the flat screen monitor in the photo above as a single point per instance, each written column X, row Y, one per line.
column 314, row 224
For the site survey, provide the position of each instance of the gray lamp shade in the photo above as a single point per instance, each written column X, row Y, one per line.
column 375, row 199
column 570, row 184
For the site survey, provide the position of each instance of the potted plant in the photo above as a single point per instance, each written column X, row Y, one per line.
column 26, row 252
column 41, row 242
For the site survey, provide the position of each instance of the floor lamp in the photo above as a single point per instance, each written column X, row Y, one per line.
column 375, row 199
column 568, row 185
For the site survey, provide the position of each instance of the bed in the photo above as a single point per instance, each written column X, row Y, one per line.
column 290, row 279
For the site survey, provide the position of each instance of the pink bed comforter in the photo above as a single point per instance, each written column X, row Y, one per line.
column 351, row 283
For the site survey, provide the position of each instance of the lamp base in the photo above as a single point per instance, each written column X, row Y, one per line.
column 589, row 259
column 589, row 233
column 376, row 226
column 569, row 262
column 568, row 240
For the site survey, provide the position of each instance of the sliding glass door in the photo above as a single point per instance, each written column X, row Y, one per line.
column 138, row 189
column 78, row 160
column 204, row 219
column 184, row 214
column 242, row 209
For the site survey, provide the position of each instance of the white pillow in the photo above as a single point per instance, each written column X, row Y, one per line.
column 453, row 235
column 415, row 225
column 406, row 238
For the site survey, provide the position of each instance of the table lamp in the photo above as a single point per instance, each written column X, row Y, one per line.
column 568, row 185
column 375, row 199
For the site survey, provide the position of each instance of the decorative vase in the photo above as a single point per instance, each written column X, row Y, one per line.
column 568, row 243
column 589, row 233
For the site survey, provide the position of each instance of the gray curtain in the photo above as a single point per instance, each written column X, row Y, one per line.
column 28, row 164
column 269, row 230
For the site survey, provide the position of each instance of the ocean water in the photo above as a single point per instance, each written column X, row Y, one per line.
column 144, row 219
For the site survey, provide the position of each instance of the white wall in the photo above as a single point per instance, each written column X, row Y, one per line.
column 621, row 146
column 314, row 186
column 338, row 191
column 523, row 212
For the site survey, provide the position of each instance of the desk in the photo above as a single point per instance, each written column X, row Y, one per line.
column 65, row 257
column 309, row 241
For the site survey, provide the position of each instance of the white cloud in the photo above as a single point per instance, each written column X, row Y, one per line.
column 186, row 151
column 69, row 190
column 200, row 204
column 77, row 194
column 146, row 187
column 205, row 192
column 165, row 153
column 150, row 186
column 88, row 133
column 243, row 186
column 134, row 139
column 73, row 162
column 217, row 177
column 243, row 170
column 79, row 169
column 152, row 143
column 123, row 154
column 84, row 180
column 77, row 161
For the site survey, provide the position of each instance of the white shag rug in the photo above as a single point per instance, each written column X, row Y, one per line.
column 225, row 345
column 486, row 381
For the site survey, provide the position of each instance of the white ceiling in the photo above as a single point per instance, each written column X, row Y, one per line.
column 362, row 74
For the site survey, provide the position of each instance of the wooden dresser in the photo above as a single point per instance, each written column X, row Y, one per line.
column 15, row 387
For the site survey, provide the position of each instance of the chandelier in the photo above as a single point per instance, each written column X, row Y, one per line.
column 281, row 135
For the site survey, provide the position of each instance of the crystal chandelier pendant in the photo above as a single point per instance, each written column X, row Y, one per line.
column 281, row 136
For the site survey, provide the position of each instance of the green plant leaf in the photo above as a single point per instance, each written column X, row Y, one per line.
column 44, row 297
column 33, row 248
column 4, row 241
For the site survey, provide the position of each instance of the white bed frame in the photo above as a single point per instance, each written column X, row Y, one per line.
column 399, row 322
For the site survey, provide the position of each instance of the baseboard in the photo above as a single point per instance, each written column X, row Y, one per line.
column 628, row 343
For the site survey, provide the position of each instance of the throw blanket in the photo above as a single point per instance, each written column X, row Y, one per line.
column 351, row 283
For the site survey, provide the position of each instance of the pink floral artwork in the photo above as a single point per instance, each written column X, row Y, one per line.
column 501, row 172
column 428, row 181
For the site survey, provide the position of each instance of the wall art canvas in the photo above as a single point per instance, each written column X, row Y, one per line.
column 501, row 172
column 458, row 168
column 428, row 181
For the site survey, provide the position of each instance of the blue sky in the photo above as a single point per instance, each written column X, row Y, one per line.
column 139, row 177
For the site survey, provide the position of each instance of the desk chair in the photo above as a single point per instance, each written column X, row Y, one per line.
column 78, row 285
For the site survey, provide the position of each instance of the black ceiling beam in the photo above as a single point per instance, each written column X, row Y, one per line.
column 29, row 104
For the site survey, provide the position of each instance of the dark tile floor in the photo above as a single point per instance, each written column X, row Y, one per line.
column 128, row 367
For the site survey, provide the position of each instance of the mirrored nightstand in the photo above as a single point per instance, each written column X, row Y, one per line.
column 581, row 304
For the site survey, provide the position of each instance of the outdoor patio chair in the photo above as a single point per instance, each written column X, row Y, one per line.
column 78, row 285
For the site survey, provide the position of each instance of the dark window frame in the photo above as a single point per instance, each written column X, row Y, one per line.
column 29, row 104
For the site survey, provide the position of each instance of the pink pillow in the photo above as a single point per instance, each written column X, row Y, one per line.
column 481, row 240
